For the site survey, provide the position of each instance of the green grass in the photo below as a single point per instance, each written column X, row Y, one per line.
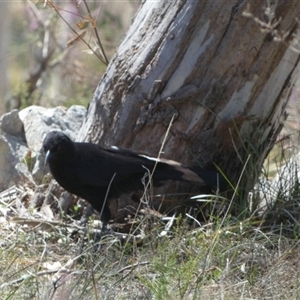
column 226, row 257
column 240, row 260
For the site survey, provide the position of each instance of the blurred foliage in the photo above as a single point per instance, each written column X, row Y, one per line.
column 42, row 69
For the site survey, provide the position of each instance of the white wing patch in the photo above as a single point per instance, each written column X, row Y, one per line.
column 163, row 160
column 149, row 157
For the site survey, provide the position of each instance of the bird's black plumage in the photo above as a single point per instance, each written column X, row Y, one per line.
column 88, row 170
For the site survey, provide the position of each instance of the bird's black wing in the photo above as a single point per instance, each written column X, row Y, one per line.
column 97, row 166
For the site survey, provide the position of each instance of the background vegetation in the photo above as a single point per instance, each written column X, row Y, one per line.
column 162, row 257
column 42, row 41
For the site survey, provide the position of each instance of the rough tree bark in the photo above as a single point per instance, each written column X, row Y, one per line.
column 226, row 82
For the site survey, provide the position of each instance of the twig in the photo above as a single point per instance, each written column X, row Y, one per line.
column 106, row 195
column 235, row 191
column 50, row 4
column 30, row 276
column 131, row 267
column 96, row 32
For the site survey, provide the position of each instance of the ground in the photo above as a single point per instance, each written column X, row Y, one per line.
column 161, row 258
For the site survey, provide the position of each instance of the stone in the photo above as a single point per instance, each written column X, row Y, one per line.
column 12, row 124
column 38, row 121
column 21, row 138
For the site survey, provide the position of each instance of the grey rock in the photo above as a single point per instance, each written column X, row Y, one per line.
column 21, row 136
column 12, row 154
column 39, row 169
column 38, row 121
column 12, row 124
column 23, row 173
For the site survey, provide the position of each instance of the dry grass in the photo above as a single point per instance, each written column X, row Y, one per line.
column 238, row 260
column 228, row 258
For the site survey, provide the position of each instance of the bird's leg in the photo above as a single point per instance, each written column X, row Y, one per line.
column 105, row 217
column 104, row 227
column 88, row 212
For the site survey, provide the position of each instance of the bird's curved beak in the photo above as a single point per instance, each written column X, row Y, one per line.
column 47, row 157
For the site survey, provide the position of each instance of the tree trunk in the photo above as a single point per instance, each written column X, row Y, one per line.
column 226, row 82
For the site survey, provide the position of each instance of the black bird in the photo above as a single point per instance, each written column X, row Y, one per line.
column 99, row 174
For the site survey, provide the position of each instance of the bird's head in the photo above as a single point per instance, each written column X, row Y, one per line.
column 57, row 146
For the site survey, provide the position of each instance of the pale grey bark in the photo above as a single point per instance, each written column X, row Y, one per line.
column 226, row 82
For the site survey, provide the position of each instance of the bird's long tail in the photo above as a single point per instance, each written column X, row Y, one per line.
column 175, row 171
